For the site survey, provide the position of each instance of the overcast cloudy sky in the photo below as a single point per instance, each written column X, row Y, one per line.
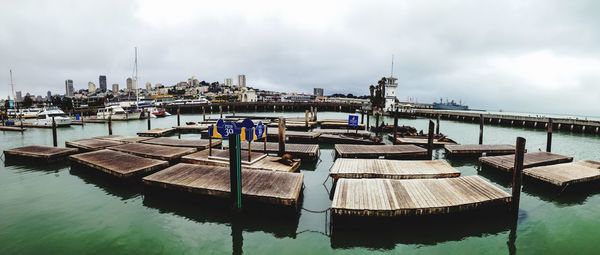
column 535, row 56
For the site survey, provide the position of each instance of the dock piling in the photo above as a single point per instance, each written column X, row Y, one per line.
column 148, row 115
column 221, row 111
column 437, row 125
column 517, row 175
column 395, row 126
column 281, row 134
column 377, row 124
column 110, row 125
column 235, row 168
column 362, row 117
column 54, row 135
column 203, row 114
column 178, row 116
column 481, row 120
column 430, row 140
column 306, row 119
column 368, row 118
column 549, row 138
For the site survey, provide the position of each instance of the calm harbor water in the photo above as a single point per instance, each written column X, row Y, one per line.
column 52, row 210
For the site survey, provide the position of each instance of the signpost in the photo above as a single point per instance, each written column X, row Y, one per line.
column 261, row 132
column 353, row 122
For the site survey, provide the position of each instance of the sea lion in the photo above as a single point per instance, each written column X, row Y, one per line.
column 286, row 159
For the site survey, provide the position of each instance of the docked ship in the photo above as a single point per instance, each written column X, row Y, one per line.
column 450, row 105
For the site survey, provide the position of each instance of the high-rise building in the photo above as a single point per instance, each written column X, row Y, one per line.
column 91, row 87
column 49, row 95
column 242, row 80
column 318, row 92
column 148, row 86
column 18, row 96
column 229, row 82
column 115, row 88
column 69, row 89
column 102, row 83
column 129, row 84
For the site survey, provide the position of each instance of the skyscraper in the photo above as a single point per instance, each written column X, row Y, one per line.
column 102, row 83
column 49, row 95
column 229, row 82
column 18, row 96
column 242, row 80
column 115, row 88
column 69, row 90
column 318, row 92
column 148, row 86
column 129, row 84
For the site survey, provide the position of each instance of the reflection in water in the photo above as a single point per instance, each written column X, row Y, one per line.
column 124, row 189
column 575, row 194
column 27, row 165
column 499, row 177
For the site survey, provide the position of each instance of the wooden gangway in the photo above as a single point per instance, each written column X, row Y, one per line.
column 377, row 151
column 394, row 198
column 391, row 169
column 297, row 150
column 565, row 174
column 123, row 139
column 41, row 153
column 476, row 150
column 166, row 153
column 118, row 164
column 269, row 163
column 506, row 162
column 199, row 144
column 157, row 132
column 272, row 187
column 84, row 145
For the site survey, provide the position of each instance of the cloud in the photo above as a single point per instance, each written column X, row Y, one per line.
column 535, row 56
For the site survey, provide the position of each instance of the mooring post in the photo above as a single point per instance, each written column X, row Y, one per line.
column 110, row 124
column 517, row 176
column 265, row 140
column 316, row 110
column 306, row 119
column 549, row 139
column 481, row 120
column 210, row 142
column 430, row 140
column 395, row 127
column 81, row 118
column 21, row 119
column 368, row 118
column 437, row 125
column 235, row 171
column 221, row 111
column 281, row 135
column 203, row 114
column 54, row 136
column 178, row 116
column 377, row 124
column 148, row 115
column 362, row 116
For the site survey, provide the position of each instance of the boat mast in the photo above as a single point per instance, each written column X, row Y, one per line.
column 136, row 77
column 12, row 87
column 392, row 72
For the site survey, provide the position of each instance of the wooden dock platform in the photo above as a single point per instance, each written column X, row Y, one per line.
column 157, row 132
column 476, row 150
column 270, row 187
column 123, row 139
column 269, row 163
column 297, row 150
column 12, row 128
column 191, row 128
column 395, row 198
column 377, row 151
column 199, row 144
column 118, row 164
column 566, row 174
column 339, row 125
column 506, row 163
column 37, row 152
column 423, row 142
column 84, row 145
column 345, row 139
column 293, row 136
column 166, row 153
column 329, row 131
column 391, row 169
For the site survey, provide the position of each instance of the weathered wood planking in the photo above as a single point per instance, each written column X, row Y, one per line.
column 567, row 173
column 479, row 149
column 191, row 128
column 391, row 169
column 223, row 155
column 393, row 198
column 91, row 144
column 506, row 163
column 157, row 132
column 119, row 164
column 167, row 153
column 421, row 141
column 361, row 132
column 270, row 187
column 37, row 152
column 345, row 139
column 11, row 128
column 267, row 163
column 298, row 136
column 199, row 144
column 297, row 150
column 338, row 125
column 123, row 139
column 376, row 151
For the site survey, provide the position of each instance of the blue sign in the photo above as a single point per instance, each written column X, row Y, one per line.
column 260, row 129
column 247, row 123
column 249, row 134
column 227, row 128
column 353, row 121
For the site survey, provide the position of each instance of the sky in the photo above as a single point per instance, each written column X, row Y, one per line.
column 526, row 56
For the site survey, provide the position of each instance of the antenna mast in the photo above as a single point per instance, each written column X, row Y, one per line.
column 136, row 76
column 12, row 86
column 392, row 72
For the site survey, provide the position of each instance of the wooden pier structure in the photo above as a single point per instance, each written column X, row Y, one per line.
column 293, row 136
column 84, row 145
column 476, row 150
column 123, row 139
column 423, row 142
column 166, row 153
column 565, row 174
column 200, row 144
column 339, row 125
column 396, row 198
column 118, row 164
column 329, row 131
column 12, row 128
column 346, row 139
column 157, row 132
column 377, row 151
column 259, row 161
column 391, row 169
column 506, row 162
column 191, row 128
column 271, row 187
column 45, row 154
column 309, row 152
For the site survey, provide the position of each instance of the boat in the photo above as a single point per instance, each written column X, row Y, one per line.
column 158, row 112
column 44, row 118
column 450, row 105
column 30, row 113
column 116, row 112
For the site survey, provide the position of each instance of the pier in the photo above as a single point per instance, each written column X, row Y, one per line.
column 118, row 164
column 37, row 152
column 157, row 132
column 506, row 163
column 396, row 198
column 166, row 153
column 565, row 174
column 422, row 141
column 123, row 139
column 259, row 161
column 377, row 151
column 271, row 187
column 12, row 128
column 304, row 151
column 200, row 144
column 84, row 145
column 391, row 169
column 476, row 150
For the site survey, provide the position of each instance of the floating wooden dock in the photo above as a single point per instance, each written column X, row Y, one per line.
column 37, row 152
column 566, row 174
column 391, row 169
column 11, row 128
column 476, row 150
column 423, row 142
column 297, row 150
column 84, row 145
column 264, row 163
column 394, row 198
column 339, row 125
column 119, row 164
column 506, row 163
column 199, row 144
column 377, row 151
column 345, row 139
column 157, row 132
column 293, row 136
column 360, row 132
column 123, row 139
column 191, row 128
column 166, row 153
column 270, row 187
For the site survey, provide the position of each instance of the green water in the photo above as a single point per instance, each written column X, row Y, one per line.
column 52, row 210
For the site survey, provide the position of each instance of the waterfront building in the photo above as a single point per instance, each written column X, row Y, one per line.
column 318, row 92
column 102, row 83
column 242, row 80
column 69, row 90
column 148, row 86
column 115, row 88
column 18, row 96
column 229, row 82
column 91, row 87
column 129, row 83
column 390, row 93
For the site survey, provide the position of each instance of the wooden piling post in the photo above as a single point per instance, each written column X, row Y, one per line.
column 235, row 171
column 316, row 110
column 110, row 124
column 368, row 119
column 517, row 176
column 430, row 140
column 549, row 138
column 54, row 135
column 377, row 124
column 281, row 135
column 437, row 125
column 362, row 117
column 306, row 119
column 178, row 116
column 203, row 114
column 265, row 140
column 481, row 120
column 21, row 118
column 221, row 111
column 210, row 142
column 395, row 127
column 148, row 115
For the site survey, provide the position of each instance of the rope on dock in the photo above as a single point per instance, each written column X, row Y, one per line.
column 315, row 211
